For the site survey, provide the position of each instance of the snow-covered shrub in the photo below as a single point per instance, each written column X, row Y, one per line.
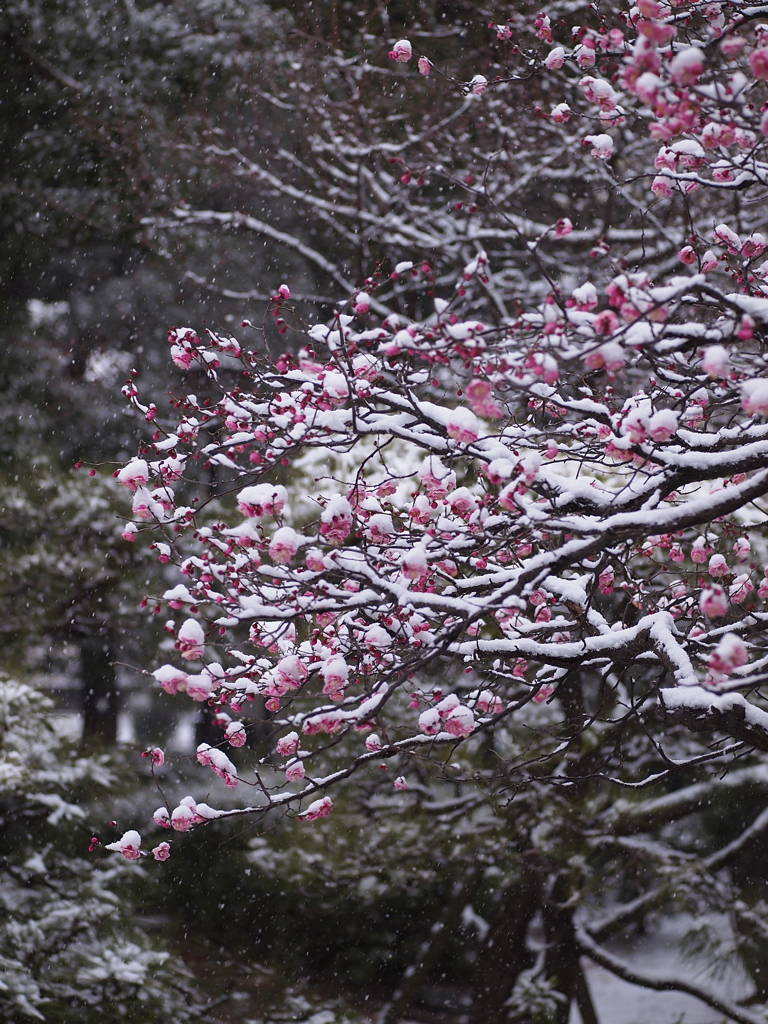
column 69, row 949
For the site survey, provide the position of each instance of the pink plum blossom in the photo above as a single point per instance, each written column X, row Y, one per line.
column 171, row 679
column 716, row 361
column 336, row 519
column 731, row 653
column 190, row 640
column 134, row 474
column 754, row 396
column 687, row 66
column 718, row 566
column 401, row 51
column 414, row 564
column 741, row 588
column 758, row 63
column 742, row 549
column 602, row 146
column 437, row 479
column 162, row 851
column 295, row 771
column 335, row 673
column 460, row 721
column 129, row 845
column 162, row 818
column 463, row 425
column 284, row 545
column 605, row 322
column 713, row 602
column 183, row 817
column 235, row 733
column 262, row 500
column 543, row 694
column 700, row 551
column 287, row 745
column 318, row 809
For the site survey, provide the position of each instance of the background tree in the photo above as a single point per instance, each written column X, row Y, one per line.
column 68, row 948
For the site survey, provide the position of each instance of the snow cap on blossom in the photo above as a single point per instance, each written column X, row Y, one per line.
column 262, row 500
column 663, row 424
column 687, row 66
column 740, row 589
column 716, row 361
column 487, row 703
column 463, row 425
column 414, row 563
column 162, row 818
column 318, row 809
column 336, row 386
column 284, row 545
column 291, row 672
column 219, row 762
column 201, row 687
column 754, row 396
column 742, row 549
column 134, row 474
column 478, row 85
column 288, row 744
column 560, row 113
column 401, row 52
column 602, row 146
column 190, row 640
column 718, row 566
column 129, row 845
column 438, row 480
column 335, row 673
column 295, row 771
column 235, row 734
column 713, row 602
column 183, row 818
column 171, row 679
column 555, row 58
column 336, row 519
column 731, row 653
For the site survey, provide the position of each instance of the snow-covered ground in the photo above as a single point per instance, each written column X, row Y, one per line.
column 657, row 954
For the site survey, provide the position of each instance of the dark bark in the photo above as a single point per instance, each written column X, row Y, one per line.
column 505, row 952
column 100, row 697
column 563, row 964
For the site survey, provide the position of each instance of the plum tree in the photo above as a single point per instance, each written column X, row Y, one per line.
column 510, row 545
